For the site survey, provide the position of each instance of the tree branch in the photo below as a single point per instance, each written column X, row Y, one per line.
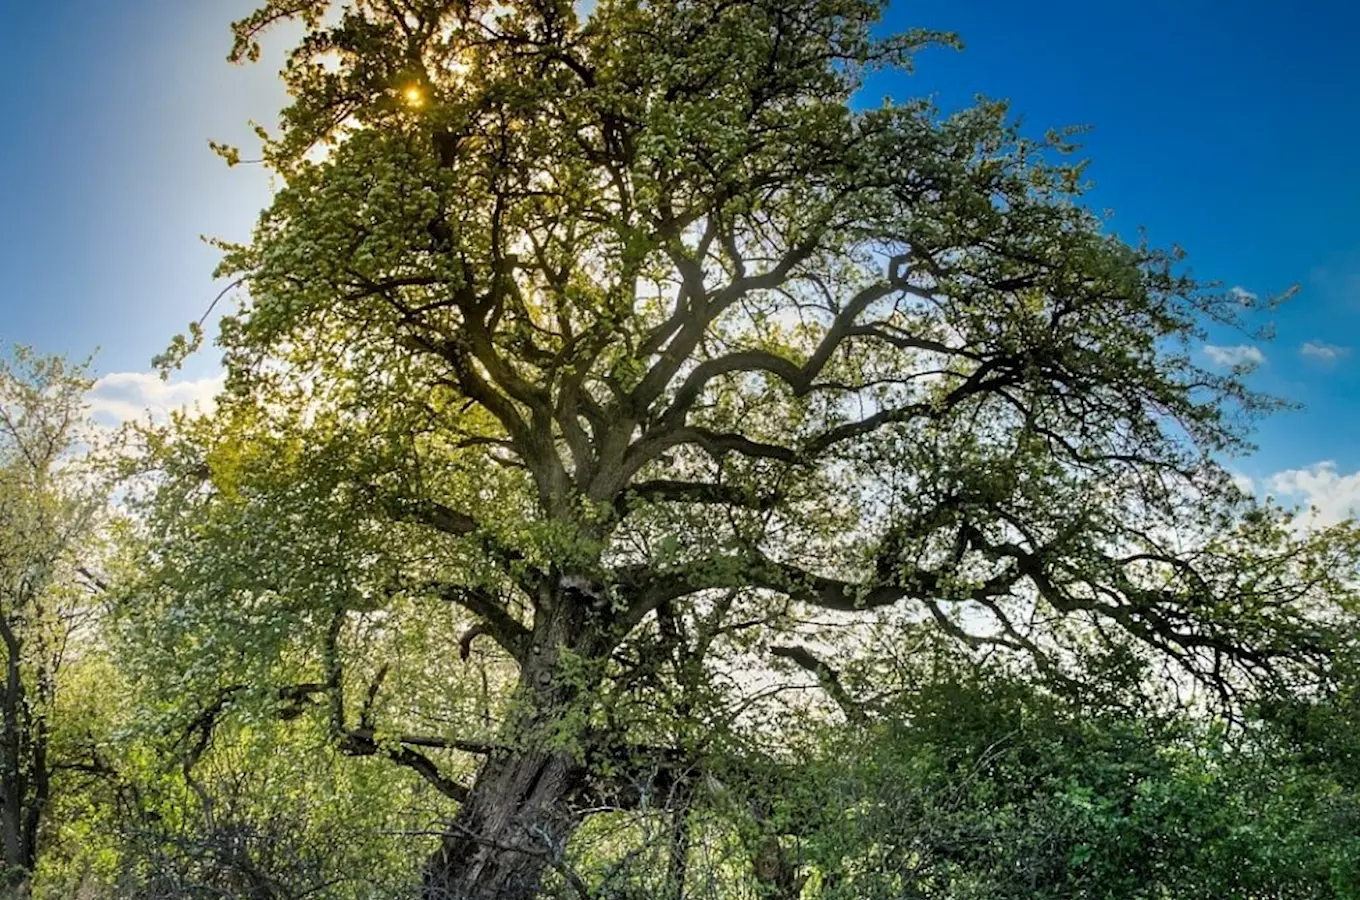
column 664, row 490
column 757, row 571
column 454, row 523
column 356, row 742
column 498, row 624
column 828, row 677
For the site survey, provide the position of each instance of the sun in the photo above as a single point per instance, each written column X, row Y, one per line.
column 414, row 96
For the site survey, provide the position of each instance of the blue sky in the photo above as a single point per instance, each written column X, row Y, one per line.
column 106, row 175
column 1230, row 128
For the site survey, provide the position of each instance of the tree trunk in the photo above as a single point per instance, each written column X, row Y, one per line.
column 516, row 822
column 18, row 810
column 512, row 829
column 776, row 870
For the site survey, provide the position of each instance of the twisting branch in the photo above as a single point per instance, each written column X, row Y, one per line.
column 498, row 624
column 199, row 730
column 470, row 635
column 358, row 742
column 799, row 378
column 757, row 571
column 361, row 741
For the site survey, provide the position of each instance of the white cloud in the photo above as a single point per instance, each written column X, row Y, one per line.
column 1243, row 483
column 1242, row 356
column 123, row 396
column 1320, row 486
column 1323, row 352
column 1242, row 295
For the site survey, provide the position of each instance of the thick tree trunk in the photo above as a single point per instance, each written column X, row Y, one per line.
column 514, row 827
column 510, row 832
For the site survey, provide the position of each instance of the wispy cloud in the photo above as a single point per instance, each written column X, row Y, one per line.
column 1340, row 279
column 1323, row 352
column 1242, row 295
column 1242, row 356
column 1332, row 495
column 123, row 396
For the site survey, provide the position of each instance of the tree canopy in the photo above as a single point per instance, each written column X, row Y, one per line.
column 50, row 507
column 592, row 366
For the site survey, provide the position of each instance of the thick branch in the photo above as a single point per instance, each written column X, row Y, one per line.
column 705, row 307
column 456, row 524
column 433, row 742
column 757, row 571
column 664, row 490
column 993, row 375
column 436, row 515
column 799, row 378
column 359, row 743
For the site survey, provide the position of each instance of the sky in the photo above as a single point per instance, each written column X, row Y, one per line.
column 1229, row 128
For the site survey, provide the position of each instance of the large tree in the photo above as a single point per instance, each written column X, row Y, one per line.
column 591, row 360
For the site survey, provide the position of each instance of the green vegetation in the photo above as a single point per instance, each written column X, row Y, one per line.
column 642, row 472
column 50, row 509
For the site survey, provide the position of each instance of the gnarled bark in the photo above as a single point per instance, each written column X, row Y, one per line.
column 518, row 816
column 510, row 832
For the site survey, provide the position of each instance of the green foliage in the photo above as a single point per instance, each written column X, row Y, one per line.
column 51, row 501
column 267, row 812
column 607, row 391
column 980, row 785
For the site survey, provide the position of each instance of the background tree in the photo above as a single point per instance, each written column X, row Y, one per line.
column 969, row 779
column 49, row 509
column 977, row 782
column 590, row 363
column 266, row 811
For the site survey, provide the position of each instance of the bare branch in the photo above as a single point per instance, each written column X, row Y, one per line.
column 828, row 677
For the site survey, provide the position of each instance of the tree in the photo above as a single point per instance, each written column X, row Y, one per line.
column 586, row 359
column 260, row 810
column 976, row 782
column 49, row 508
